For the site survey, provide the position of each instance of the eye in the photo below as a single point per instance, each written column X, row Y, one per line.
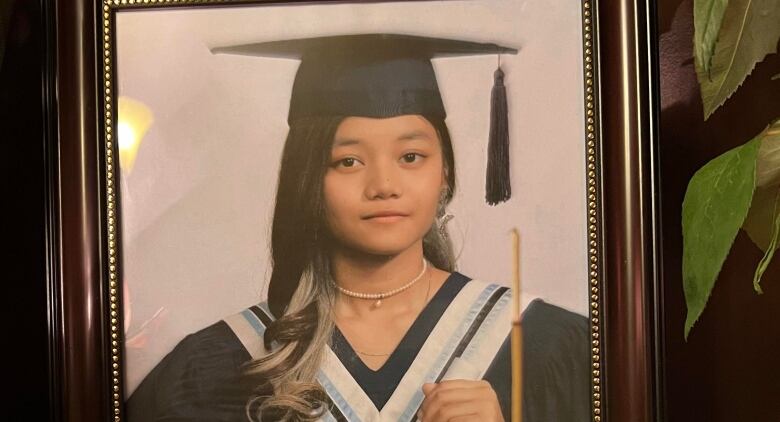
column 411, row 157
column 347, row 162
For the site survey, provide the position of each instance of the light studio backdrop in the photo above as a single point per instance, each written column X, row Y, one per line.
column 201, row 137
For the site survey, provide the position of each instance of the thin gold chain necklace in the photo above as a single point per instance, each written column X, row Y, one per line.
column 427, row 295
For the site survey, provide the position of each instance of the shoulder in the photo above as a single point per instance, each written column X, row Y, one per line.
column 215, row 338
column 556, row 340
column 539, row 309
column 215, row 341
column 555, row 365
column 218, row 340
column 543, row 320
column 556, row 355
column 211, row 353
column 248, row 327
column 202, row 378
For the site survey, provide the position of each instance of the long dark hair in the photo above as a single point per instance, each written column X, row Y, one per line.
column 300, row 293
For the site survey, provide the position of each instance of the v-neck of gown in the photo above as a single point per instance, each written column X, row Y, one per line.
column 379, row 385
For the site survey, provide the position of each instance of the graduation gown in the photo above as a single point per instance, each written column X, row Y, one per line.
column 462, row 333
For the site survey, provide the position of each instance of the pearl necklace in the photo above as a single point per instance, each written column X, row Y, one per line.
column 379, row 296
column 425, row 302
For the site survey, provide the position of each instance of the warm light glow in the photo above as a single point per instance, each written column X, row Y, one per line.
column 127, row 139
column 134, row 120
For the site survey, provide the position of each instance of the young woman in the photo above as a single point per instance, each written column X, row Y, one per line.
column 366, row 317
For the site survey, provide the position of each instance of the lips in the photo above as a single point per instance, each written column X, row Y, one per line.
column 390, row 215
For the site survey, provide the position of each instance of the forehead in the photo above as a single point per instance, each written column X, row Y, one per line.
column 366, row 129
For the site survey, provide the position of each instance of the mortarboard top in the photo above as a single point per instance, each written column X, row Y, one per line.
column 384, row 75
column 370, row 75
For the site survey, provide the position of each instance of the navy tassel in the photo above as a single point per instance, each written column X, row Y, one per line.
column 497, row 186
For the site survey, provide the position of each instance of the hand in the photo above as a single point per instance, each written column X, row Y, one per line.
column 460, row 401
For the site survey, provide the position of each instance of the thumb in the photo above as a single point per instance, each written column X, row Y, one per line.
column 428, row 387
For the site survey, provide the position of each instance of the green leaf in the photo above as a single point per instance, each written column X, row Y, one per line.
column 758, row 224
column 768, row 165
column 771, row 248
column 749, row 31
column 714, row 208
column 707, row 18
column 762, row 219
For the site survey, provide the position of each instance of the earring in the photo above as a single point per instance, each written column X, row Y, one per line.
column 442, row 218
column 440, row 207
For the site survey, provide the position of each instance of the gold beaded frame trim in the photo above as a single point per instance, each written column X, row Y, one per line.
column 106, row 69
column 593, row 181
column 593, row 165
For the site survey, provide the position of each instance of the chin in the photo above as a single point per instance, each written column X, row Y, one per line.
column 383, row 245
column 382, row 251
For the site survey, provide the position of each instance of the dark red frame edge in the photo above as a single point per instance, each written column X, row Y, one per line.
column 79, row 336
column 631, row 239
column 79, row 363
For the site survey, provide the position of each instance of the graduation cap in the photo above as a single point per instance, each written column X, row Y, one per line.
column 385, row 75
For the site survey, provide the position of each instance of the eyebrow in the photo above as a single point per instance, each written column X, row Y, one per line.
column 345, row 142
column 409, row 136
column 415, row 134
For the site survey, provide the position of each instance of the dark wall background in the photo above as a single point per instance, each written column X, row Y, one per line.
column 729, row 370
column 25, row 333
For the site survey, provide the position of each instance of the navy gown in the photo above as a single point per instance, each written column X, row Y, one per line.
column 202, row 378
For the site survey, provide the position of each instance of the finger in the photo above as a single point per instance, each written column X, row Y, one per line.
column 452, row 384
column 428, row 387
column 444, row 398
column 443, row 395
column 458, row 409
column 475, row 387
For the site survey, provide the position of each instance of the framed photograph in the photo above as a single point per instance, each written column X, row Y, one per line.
column 306, row 210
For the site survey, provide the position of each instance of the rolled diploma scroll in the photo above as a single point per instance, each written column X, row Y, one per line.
column 461, row 369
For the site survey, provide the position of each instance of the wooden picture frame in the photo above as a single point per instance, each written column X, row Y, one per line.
column 85, row 293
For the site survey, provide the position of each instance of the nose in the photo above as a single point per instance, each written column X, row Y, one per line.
column 383, row 182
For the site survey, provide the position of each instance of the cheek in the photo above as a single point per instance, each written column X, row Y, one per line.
column 331, row 194
column 429, row 192
column 338, row 196
column 430, row 203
